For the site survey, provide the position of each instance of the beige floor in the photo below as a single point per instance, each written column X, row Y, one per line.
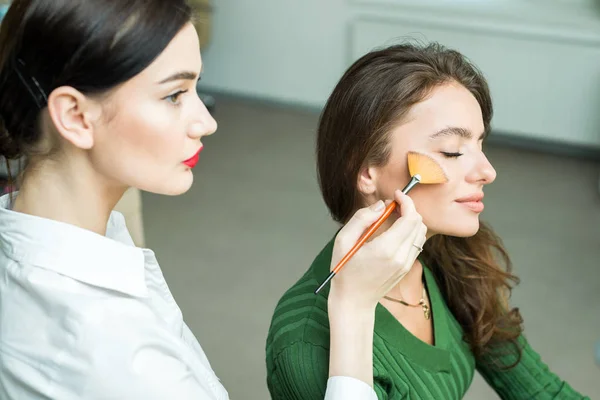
column 254, row 220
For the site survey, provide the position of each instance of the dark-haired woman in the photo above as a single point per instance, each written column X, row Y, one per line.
column 99, row 96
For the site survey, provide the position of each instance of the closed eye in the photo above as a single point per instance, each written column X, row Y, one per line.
column 451, row 155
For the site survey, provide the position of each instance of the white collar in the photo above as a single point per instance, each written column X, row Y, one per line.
column 111, row 261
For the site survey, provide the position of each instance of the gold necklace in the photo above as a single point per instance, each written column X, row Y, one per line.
column 421, row 303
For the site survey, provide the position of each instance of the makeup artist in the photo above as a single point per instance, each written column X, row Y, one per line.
column 99, row 96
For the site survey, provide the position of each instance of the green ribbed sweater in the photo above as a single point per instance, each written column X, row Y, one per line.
column 404, row 367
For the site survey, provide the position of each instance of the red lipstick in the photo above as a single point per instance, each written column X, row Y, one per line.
column 191, row 162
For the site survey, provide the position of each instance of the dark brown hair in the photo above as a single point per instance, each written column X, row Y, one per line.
column 374, row 95
column 91, row 45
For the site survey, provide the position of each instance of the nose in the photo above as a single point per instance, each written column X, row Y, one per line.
column 482, row 172
column 203, row 123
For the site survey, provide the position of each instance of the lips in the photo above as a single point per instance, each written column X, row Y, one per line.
column 192, row 161
column 472, row 202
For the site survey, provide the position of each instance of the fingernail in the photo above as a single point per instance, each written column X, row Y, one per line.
column 378, row 206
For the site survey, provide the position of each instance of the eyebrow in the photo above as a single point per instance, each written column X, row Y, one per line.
column 455, row 131
column 182, row 75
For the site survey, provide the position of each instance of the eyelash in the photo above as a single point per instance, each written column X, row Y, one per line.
column 175, row 96
column 451, row 155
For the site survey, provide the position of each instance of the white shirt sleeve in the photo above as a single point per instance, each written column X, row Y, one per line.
column 347, row 388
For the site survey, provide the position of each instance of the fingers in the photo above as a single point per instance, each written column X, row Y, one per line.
column 385, row 260
column 402, row 229
column 387, row 245
column 401, row 244
column 415, row 247
column 409, row 250
column 407, row 206
column 359, row 222
column 422, row 236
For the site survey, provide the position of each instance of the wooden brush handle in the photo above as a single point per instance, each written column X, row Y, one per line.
column 372, row 229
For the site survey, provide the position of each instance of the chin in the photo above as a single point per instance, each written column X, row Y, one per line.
column 466, row 230
column 172, row 187
column 179, row 187
column 462, row 229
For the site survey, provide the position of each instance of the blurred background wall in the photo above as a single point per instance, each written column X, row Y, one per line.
column 541, row 56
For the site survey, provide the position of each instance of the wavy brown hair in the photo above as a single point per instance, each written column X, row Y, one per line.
column 375, row 94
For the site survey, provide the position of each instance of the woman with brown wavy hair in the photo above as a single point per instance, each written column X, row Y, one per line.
column 449, row 315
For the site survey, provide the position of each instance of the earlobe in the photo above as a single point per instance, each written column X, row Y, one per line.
column 367, row 181
column 70, row 113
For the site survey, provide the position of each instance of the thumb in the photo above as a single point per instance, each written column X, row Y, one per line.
column 406, row 204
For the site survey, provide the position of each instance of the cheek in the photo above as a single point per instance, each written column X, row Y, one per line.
column 391, row 179
column 440, row 213
column 142, row 148
column 148, row 136
column 433, row 202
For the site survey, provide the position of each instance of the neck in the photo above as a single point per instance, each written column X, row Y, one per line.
column 70, row 192
column 410, row 288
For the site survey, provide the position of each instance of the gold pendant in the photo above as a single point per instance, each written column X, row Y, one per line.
column 426, row 311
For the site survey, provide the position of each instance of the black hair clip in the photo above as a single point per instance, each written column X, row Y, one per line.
column 33, row 86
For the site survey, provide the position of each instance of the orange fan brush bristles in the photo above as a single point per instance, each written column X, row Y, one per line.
column 430, row 171
column 423, row 169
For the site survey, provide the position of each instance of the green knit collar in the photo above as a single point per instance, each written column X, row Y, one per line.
column 436, row 357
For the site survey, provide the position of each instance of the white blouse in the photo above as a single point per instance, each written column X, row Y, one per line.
column 86, row 316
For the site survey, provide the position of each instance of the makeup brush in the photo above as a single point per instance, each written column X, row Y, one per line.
column 422, row 169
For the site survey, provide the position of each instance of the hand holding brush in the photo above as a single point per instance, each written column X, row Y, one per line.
column 424, row 170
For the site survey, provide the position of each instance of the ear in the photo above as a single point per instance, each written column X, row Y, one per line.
column 367, row 180
column 73, row 115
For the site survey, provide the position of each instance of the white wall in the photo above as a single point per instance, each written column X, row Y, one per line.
column 542, row 57
column 291, row 50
